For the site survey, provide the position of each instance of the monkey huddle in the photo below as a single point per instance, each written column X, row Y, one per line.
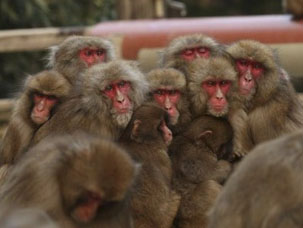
column 95, row 142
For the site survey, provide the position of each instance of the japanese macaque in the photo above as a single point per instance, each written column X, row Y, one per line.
column 42, row 94
column 272, row 107
column 78, row 180
column 213, row 86
column 168, row 90
column 77, row 53
column 265, row 190
column 102, row 104
column 182, row 50
column 294, row 7
column 198, row 170
column 146, row 138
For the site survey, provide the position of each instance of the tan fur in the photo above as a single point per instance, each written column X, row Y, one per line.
column 273, row 110
column 294, row 7
column 265, row 190
column 170, row 57
column 197, row 170
column 154, row 203
column 89, row 109
column 21, row 128
column 203, row 70
column 169, row 78
column 65, row 57
column 57, row 173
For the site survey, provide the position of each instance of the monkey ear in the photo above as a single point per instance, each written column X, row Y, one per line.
column 203, row 136
column 135, row 129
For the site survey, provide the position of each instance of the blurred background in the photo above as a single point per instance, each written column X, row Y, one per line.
column 20, row 14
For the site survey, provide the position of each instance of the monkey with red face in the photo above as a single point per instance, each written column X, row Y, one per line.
column 271, row 106
column 102, row 103
column 77, row 53
column 213, row 86
column 38, row 102
column 168, row 90
column 181, row 51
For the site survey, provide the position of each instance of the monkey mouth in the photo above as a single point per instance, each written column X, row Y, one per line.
column 123, row 110
column 244, row 91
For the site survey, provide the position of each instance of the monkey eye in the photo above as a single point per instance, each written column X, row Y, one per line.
column 257, row 66
column 224, row 82
column 188, row 52
column 109, row 88
column 243, row 62
column 202, row 50
column 52, row 98
column 172, row 92
column 159, row 92
column 100, row 52
column 210, row 83
column 89, row 52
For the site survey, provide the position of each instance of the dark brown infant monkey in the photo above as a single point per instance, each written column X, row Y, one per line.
column 78, row 180
column 197, row 169
column 168, row 90
column 146, row 138
column 102, row 104
column 39, row 100
column 78, row 53
column 271, row 105
column 265, row 190
column 182, row 50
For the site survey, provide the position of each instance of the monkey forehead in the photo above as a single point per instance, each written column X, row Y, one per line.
column 166, row 78
column 215, row 68
column 49, row 83
column 254, row 50
column 70, row 47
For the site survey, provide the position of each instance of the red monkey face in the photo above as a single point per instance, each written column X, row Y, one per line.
column 92, row 56
column 249, row 71
column 168, row 99
column 43, row 105
column 216, row 91
column 190, row 54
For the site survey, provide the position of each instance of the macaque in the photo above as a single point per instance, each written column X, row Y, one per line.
column 77, row 180
column 213, row 86
column 271, row 106
column 102, row 104
column 146, row 138
column 168, row 90
column 184, row 49
column 294, row 7
column 198, row 170
column 41, row 96
column 77, row 53
column 265, row 190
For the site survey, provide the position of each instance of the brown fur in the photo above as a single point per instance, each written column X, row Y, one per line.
column 57, row 173
column 202, row 70
column 65, row 57
column 169, row 78
column 88, row 109
column 154, row 203
column 198, row 172
column 265, row 190
column 170, row 57
column 294, row 7
column 21, row 128
column 273, row 110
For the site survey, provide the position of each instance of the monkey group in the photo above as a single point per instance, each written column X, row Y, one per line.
column 95, row 141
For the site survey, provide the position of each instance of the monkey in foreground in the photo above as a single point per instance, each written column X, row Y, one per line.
column 78, row 53
column 146, row 138
column 102, row 104
column 198, row 170
column 168, row 89
column 182, row 50
column 42, row 94
column 213, row 86
column 78, row 180
column 271, row 106
column 294, row 7
column 265, row 190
